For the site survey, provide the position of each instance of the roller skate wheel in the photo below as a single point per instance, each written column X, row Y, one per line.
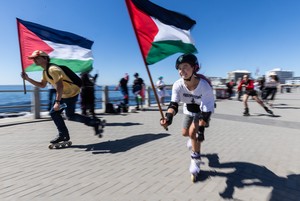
column 69, row 143
column 63, row 145
column 193, row 178
column 50, row 146
column 57, row 146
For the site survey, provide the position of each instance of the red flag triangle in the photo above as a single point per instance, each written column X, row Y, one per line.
column 30, row 42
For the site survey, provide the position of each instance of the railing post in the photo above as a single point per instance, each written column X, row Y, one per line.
column 36, row 104
column 105, row 97
column 148, row 98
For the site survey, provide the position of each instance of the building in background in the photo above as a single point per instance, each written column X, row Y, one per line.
column 294, row 80
column 235, row 75
column 283, row 75
column 217, row 81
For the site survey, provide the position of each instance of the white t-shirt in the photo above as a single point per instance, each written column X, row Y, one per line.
column 203, row 96
column 271, row 83
column 160, row 83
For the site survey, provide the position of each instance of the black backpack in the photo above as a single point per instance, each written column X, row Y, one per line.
column 75, row 78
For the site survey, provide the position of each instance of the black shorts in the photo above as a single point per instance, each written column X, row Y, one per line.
column 251, row 93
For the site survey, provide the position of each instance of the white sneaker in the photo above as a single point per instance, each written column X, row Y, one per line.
column 195, row 166
column 189, row 144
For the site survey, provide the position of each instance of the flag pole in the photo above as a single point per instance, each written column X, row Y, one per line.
column 145, row 63
column 154, row 90
column 24, row 86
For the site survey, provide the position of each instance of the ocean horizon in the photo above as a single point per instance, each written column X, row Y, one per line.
column 13, row 96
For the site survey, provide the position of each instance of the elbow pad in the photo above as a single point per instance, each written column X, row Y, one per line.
column 206, row 116
column 174, row 106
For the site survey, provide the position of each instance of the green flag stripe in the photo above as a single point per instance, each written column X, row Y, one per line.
column 163, row 49
column 77, row 65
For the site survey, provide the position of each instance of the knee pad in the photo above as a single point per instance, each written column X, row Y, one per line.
column 200, row 134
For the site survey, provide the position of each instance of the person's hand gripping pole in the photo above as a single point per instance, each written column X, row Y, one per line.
column 167, row 120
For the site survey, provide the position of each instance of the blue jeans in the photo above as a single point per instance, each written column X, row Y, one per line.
column 71, row 115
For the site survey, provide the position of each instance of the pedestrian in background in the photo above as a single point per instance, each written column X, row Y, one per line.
column 270, row 89
column 230, row 85
column 87, row 93
column 161, row 90
column 123, row 86
column 241, row 92
column 138, row 89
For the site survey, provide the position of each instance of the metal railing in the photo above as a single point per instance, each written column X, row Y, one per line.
column 35, row 104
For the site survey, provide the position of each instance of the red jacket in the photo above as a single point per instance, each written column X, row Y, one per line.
column 249, row 85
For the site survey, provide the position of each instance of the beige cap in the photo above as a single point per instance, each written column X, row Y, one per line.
column 38, row 53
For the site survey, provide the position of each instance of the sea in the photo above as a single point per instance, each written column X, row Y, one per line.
column 14, row 97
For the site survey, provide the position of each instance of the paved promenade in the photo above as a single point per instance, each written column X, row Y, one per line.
column 253, row 158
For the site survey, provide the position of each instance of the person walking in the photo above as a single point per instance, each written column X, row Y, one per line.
column 230, row 85
column 241, row 92
column 248, row 84
column 197, row 95
column 123, row 86
column 87, row 93
column 66, row 92
column 138, row 88
column 161, row 91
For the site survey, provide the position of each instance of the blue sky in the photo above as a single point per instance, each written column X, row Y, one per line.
column 229, row 35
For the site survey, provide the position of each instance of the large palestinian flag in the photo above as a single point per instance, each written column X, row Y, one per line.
column 64, row 48
column 160, row 32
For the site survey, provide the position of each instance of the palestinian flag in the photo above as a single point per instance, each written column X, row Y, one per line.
column 64, row 48
column 160, row 32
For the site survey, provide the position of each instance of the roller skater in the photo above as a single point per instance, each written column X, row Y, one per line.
column 195, row 91
column 248, row 84
column 67, row 85
column 270, row 89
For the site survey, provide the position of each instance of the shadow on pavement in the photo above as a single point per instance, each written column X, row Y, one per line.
column 25, row 122
column 284, row 106
column 123, row 124
column 245, row 174
column 287, row 107
column 121, row 145
column 267, row 115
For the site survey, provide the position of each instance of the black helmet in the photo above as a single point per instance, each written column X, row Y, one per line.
column 136, row 74
column 188, row 58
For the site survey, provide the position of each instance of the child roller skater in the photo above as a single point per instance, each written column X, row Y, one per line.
column 195, row 91
column 249, row 91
